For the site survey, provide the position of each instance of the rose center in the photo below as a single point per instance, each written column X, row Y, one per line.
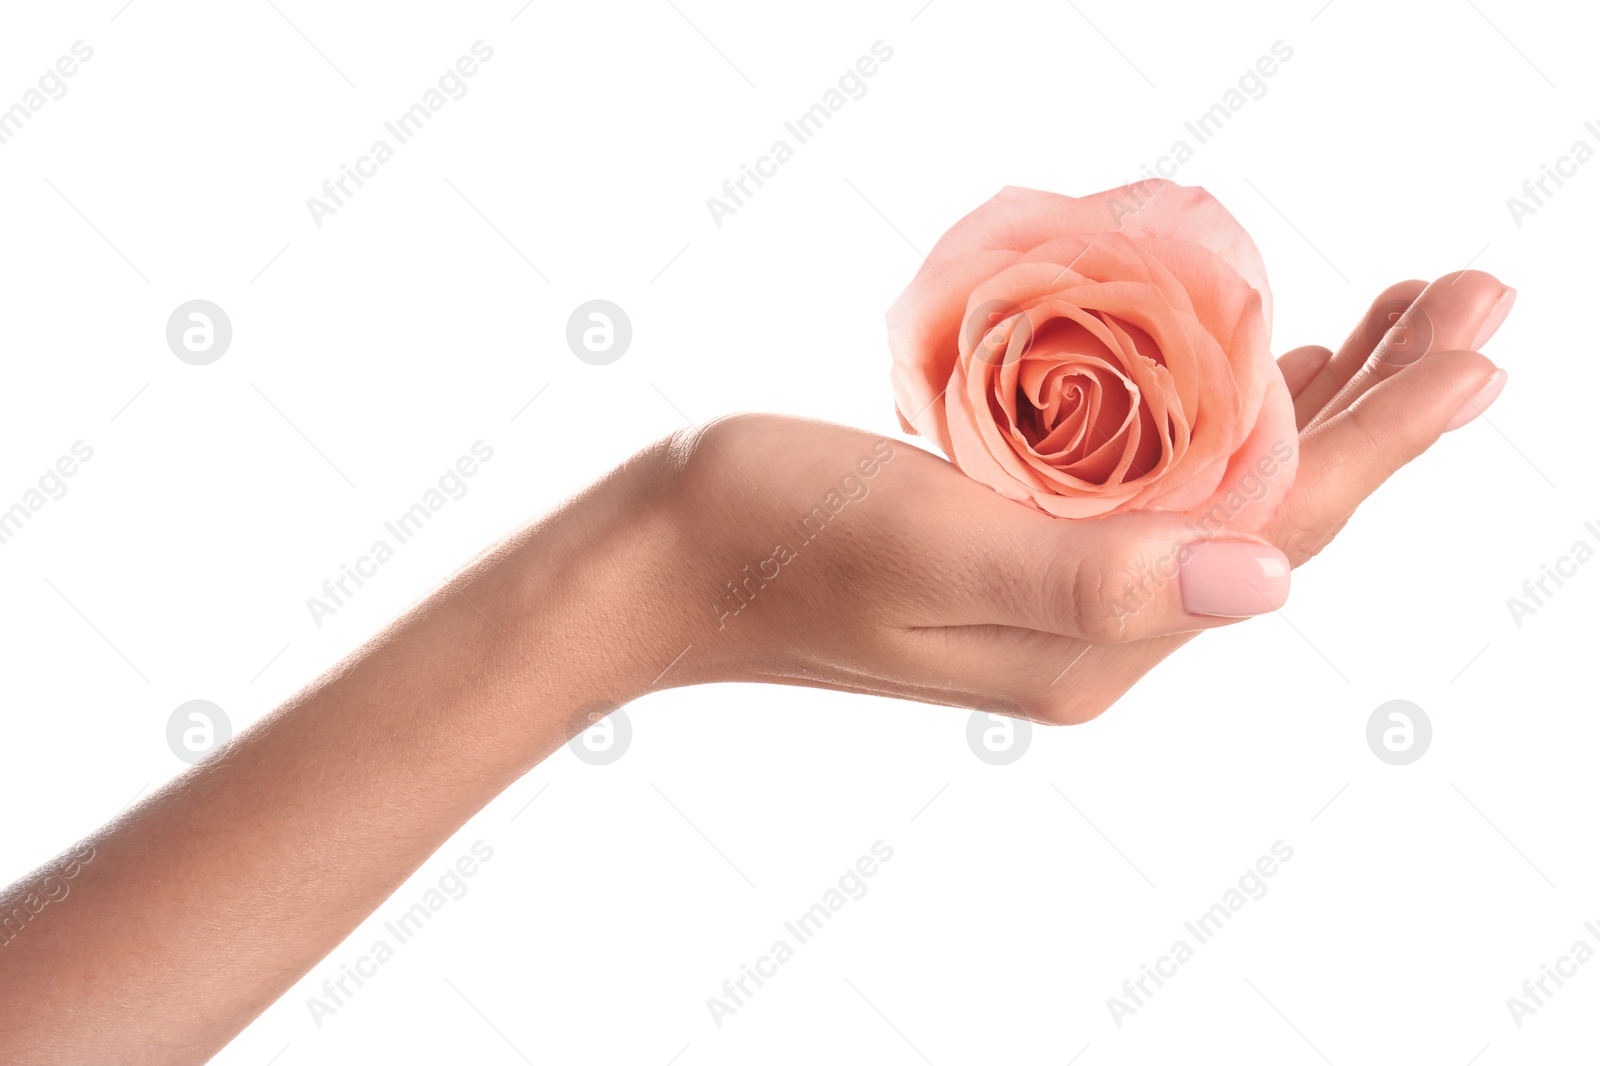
column 1073, row 400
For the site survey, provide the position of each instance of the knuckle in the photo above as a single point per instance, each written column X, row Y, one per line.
column 1105, row 594
column 1055, row 707
column 723, row 432
column 699, row 455
column 1304, row 544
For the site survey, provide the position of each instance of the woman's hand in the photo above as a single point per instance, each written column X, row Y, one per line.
column 756, row 549
column 813, row 554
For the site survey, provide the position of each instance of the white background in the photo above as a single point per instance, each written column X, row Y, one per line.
column 423, row 316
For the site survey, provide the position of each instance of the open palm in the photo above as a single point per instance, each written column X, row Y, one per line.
column 807, row 557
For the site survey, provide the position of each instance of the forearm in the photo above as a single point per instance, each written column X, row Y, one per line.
column 225, row 887
column 843, row 563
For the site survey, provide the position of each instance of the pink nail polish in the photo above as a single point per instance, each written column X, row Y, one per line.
column 1478, row 402
column 1497, row 315
column 1233, row 578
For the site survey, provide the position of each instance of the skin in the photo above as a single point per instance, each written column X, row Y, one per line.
column 207, row 901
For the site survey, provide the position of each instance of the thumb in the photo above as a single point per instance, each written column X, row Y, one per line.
column 1129, row 577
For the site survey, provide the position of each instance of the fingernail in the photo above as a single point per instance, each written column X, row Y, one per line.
column 1497, row 315
column 1479, row 401
column 1232, row 578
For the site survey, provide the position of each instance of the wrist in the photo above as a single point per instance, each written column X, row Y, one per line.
column 595, row 590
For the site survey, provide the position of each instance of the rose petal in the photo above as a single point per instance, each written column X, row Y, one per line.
column 1096, row 354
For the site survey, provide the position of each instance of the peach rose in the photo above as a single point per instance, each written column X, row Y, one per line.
column 1099, row 354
